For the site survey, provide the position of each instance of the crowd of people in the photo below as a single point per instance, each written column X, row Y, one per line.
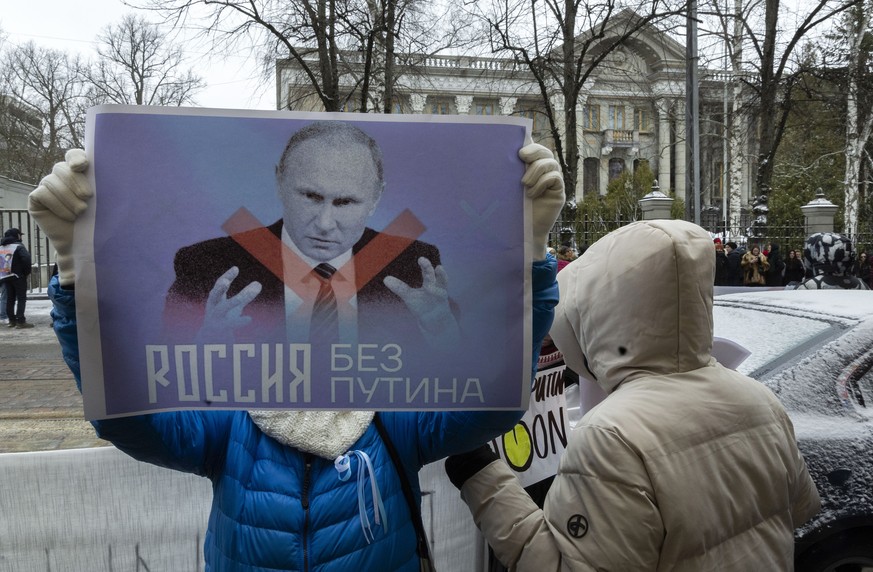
column 823, row 254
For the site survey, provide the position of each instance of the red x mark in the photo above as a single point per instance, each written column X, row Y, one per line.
column 377, row 254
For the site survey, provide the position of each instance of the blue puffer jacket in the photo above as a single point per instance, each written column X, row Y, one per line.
column 277, row 508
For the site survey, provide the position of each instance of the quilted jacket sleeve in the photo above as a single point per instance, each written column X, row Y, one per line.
column 579, row 528
column 190, row 441
column 806, row 500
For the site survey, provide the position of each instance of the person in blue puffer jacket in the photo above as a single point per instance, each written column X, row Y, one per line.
column 279, row 502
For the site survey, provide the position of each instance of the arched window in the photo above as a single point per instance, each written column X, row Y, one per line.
column 616, row 167
column 591, row 175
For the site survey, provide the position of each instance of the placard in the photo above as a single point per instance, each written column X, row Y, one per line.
column 199, row 256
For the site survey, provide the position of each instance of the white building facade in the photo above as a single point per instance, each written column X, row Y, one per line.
column 631, row 110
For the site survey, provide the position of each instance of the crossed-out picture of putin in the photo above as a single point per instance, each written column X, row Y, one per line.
column 318, row 274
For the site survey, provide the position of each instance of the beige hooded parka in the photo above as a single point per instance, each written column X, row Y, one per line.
column 686, row 465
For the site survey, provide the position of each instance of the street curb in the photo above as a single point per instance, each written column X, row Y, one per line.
column 44, row 413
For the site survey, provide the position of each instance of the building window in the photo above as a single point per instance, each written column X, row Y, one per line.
column 616, row 168
column 484, row 109
column 537, row 117
column 397, row 107
column 591, row 117
column 591, row 175
column 640, row 163
column 348, row 106
column 439, row 108
column 642, row 120
column 616, row 117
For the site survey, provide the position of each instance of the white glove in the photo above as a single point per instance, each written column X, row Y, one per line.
column 544, row 184
column 56, row 203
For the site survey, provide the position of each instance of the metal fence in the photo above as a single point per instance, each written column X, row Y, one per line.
column 577, row 231
column 789, row 236
column 41, row 252
column 585, row 230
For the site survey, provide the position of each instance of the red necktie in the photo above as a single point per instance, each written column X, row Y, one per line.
column 324, row 328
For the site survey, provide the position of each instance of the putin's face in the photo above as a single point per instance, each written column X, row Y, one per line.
column 329, row 189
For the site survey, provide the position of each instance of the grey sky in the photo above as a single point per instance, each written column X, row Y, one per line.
column 232, row 81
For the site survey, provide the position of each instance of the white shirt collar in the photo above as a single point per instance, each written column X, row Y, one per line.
column 336, row 262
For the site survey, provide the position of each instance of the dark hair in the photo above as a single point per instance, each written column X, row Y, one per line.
column 338, row 131
column 732, row 244
column 566, row 252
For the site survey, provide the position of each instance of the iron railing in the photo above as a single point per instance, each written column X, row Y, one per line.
column 585, row 230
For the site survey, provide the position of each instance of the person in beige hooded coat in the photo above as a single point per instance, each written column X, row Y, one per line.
column 686, row 465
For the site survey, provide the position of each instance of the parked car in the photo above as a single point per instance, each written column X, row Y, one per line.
column 814, row 349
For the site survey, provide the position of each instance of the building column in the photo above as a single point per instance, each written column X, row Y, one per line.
column 463, row 104
column 679, row 167
column 580, row 141
column 663, row 108
column 418, row 101
column 604, row 172
column 507, row 105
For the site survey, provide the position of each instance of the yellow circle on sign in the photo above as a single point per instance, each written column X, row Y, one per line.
column 517, row 445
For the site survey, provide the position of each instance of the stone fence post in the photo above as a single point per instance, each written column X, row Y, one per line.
column 656, row 205
column 818, row 214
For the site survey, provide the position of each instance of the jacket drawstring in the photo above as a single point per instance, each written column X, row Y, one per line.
column 342, row 464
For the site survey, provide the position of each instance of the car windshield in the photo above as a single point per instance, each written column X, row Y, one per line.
column 773, row 338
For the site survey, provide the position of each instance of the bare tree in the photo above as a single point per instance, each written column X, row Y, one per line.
column 137, row 64
column 42, row 111
column 336, row 47
column 306, row 32
column 773, row 39
column 399, row 37
column 562, row 44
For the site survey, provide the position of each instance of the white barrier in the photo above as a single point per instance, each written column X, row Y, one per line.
column 98, row 510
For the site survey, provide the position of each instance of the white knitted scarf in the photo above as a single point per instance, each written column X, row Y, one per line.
column 327, row 434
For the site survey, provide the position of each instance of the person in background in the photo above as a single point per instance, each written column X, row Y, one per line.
column 755, row 266
column 864, row 269
column 566, row 255
column 686, row 465
column 793, row 270
column 284, row 500
column 3, row 317
column 775, row 273
column 17, row 267
column 734, row 264
column 828, row 258
column 721, row 262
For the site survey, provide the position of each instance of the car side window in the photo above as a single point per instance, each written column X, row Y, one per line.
column 856, row 383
